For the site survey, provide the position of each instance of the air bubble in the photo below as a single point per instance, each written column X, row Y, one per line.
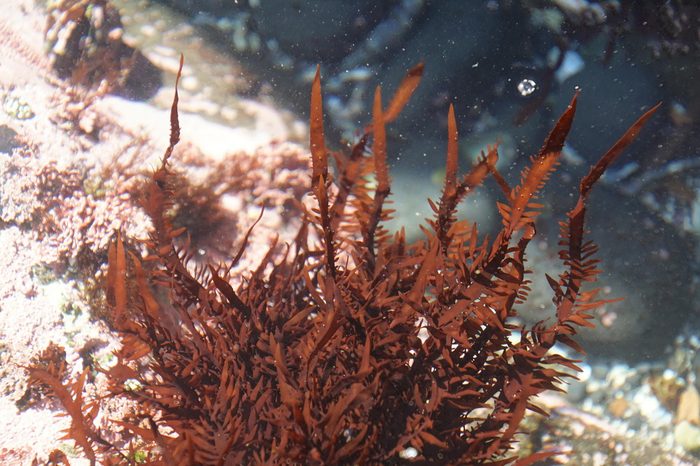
column 527, row 87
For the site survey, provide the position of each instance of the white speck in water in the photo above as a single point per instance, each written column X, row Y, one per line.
column 527, row 87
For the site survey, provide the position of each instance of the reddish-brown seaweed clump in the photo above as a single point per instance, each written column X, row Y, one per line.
column 350, row 345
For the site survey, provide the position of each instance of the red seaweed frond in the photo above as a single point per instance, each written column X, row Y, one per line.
column 349, row 345
column 82, row 429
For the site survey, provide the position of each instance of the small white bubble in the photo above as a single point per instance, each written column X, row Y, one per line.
column 527, row 87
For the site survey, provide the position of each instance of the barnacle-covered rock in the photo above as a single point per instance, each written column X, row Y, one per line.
column 84, row 41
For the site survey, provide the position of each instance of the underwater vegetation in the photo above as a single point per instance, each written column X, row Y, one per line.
column 350, row 345
column 85, row 46
column 85, row 40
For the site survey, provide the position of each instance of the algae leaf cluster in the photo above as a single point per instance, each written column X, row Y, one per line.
column 351, row 345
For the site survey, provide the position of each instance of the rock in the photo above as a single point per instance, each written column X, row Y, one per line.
column 688, row 436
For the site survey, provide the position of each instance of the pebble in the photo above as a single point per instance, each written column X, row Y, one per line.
column 688, row 436
column 17, row 108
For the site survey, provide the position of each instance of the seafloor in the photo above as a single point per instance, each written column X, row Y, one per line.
column 72, row 158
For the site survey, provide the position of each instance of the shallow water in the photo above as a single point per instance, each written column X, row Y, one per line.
column 509, row 69
column 497, row 63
